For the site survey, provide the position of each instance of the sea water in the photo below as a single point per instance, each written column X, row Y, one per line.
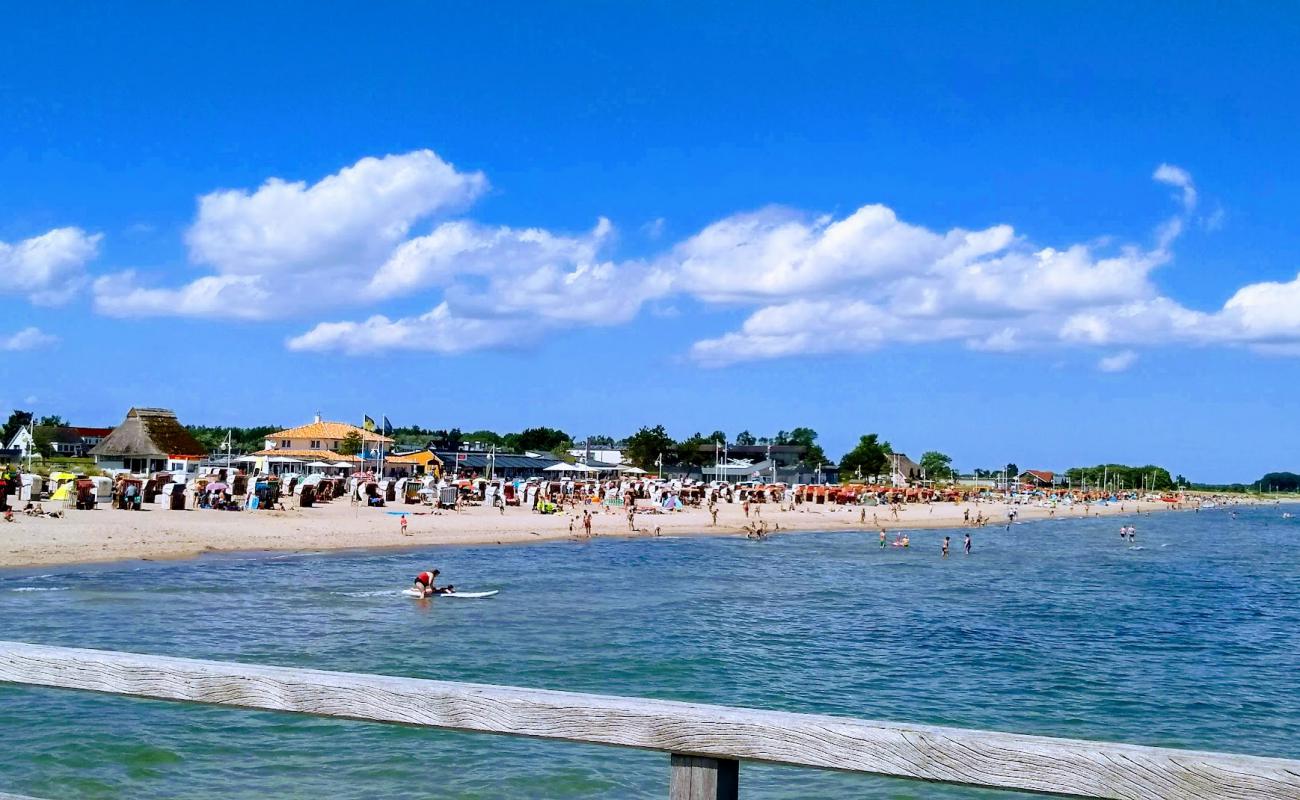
column 1055, row 628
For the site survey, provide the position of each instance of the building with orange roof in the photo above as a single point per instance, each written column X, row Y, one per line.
column 319, row 440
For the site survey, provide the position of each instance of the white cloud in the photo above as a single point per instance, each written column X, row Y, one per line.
column 1117, row 362
column 437, row 331
column 812, row 284
column 289, row 248
column 50, row 268
column 1179, row 178
column 887, row 281
column 29, row 338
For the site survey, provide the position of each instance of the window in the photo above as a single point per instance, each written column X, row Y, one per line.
column 315, row 444
column 284, row 442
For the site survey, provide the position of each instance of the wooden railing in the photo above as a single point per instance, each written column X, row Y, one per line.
column 706, row 743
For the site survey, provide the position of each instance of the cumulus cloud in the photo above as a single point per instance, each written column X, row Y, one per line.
column 1117, row 362
column 886, row 281
column 29, row 338
column 50, row 268
column 393, row 228
column 289, row 248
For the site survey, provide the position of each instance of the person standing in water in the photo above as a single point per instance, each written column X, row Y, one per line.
column 945, row 546
column 966, row 546
column 882, row 538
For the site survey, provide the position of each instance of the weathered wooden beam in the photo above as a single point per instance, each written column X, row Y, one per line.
column 920, row 752
column 699, row 778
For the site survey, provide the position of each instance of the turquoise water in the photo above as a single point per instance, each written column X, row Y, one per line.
column 1052, row 628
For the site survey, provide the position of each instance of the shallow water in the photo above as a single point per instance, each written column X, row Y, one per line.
column 1051, row 628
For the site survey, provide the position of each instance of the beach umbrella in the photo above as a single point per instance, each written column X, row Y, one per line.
column 62, row 476
column 342, row 465
column 631, row 470
column 319, row 465
column 218, row 487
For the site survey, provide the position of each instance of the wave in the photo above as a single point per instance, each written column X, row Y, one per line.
column 39, row 589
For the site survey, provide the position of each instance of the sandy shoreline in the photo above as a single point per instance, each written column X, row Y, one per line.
column 106, row 535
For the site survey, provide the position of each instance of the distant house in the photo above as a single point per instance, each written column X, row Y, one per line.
column 423, row 462
column 22, row 444
column 319, row 440
column 606, row 455
column 903, row 470
column 785, row 455
column 1038, row 478
column 148, row 440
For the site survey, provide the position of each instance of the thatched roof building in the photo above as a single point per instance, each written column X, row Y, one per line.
column 149, row 439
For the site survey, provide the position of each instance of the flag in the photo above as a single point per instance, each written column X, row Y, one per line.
column 369, row 425
column 388, row 427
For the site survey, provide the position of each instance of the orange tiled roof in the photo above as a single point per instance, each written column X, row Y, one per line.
column 309, row 455
column 328, row 430
column 1041, row 474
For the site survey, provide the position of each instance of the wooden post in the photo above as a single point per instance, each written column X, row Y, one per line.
column 696, row 778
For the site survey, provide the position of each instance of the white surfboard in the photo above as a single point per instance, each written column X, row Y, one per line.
column 467, row 595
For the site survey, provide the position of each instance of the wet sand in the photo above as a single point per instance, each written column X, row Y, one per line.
column 112, row 535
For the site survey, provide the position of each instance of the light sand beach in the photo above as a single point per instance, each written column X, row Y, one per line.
column 113, row 535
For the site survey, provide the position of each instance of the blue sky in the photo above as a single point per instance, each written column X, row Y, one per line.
column 1050, row 234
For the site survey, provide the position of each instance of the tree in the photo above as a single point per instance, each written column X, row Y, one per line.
column 868, row 460
column 745, row 438
column 43, row 438
column 350, row 444
column 718, row 436
column 18, row 419
column 1278, row 482
column 1013, row 471
column 600, row 440
column 807, row 439
column 695, row 450
column 544, row 440
column 937, row 466
column 486, row 437
column 52, row 421
column 646, row 446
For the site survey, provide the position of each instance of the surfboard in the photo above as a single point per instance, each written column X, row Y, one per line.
column 466, row 595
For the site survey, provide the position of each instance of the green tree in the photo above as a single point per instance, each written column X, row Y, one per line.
column 18, row 419
column 43, row 437
column 807, row 439
column 718, row 436
column 745, row 438
column 52, row 421
column 544, row 440
column 696, row 450
column 937, row 466
column 350, row 444
column 1012, row 471
column 868, row 460
column 646, row 445
column 486, row 437
column 1277, row 482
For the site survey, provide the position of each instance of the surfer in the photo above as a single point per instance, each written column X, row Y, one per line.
column 424, row 584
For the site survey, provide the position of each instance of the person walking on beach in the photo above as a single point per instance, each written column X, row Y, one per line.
column 966, row 546
column 404, row 533
column 713, row 512
column 945, row 546
column 862, row 516
column 745, row 506
column 586, row 522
